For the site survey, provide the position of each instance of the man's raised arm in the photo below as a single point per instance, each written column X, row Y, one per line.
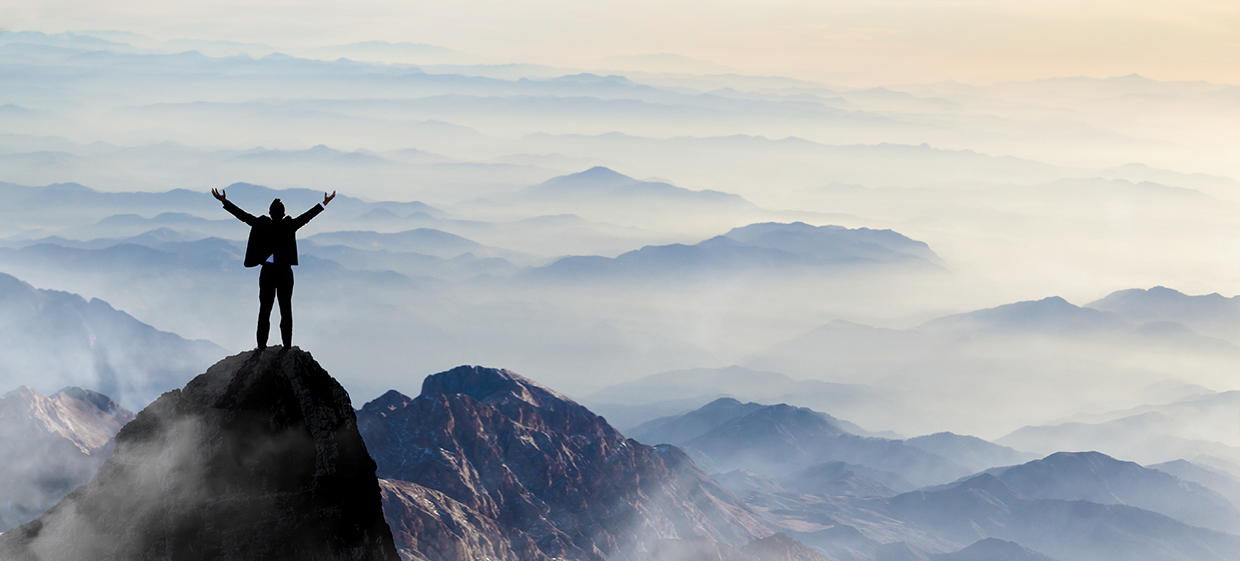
column 314, row 211
column 232, row 208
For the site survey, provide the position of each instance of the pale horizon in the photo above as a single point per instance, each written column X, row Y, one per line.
column 847, row 43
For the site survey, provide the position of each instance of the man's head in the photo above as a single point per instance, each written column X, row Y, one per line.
column 277, row 209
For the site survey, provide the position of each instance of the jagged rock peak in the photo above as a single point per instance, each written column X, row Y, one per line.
column 83, row 417
column 486, row 463
column 258, row 458
column 510, row 392
column 489, row 384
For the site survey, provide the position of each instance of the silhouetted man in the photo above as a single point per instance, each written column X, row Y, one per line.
column 273, row 246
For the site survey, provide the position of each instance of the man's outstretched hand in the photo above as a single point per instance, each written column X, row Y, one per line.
column 326, row 198
column 218, row 194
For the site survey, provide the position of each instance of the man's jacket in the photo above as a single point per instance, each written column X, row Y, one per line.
column 271, row 238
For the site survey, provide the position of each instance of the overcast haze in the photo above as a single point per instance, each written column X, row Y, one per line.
column 811, row 240
column 850, row 42
column 565, row 189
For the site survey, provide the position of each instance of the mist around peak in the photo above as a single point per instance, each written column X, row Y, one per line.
column 52, row 445
column 260, row 455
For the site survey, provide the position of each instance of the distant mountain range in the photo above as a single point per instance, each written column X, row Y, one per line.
column 754, row 250
column 1023, row 348
column 600, row 185
column 1211, row 314
column 488, row 463
column 68, row 340
column 1098, row 478
column 778, row 440
column 1070, row 530
column 675, row 393
column 74, row 206
column 1192, row 427
column 425, row 241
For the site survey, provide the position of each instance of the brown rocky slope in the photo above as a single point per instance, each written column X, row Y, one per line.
column 486, row 463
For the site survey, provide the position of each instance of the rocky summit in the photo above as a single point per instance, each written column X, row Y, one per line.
column 258, row 458
column 485, row 463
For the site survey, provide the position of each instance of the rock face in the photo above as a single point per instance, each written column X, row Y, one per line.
column 258, row 458
column 486, row 463
column 51, row 446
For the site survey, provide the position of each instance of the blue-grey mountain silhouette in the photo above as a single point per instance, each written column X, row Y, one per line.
column 778, row 440
column 1069, row 530
column 1209, row 314
column 970, row 451
column 1098, row 478
column 71, row 341
column 754, row 250
column 1217, row 480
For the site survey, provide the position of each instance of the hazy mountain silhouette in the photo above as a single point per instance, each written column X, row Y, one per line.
column 1216, row 480
column 1183, row 429
column 986, row 507
column 1210, row 314
column 755, row 250
column 426, row 241
column 72, row 341
column 969, row 451
column 1052, row 315
column 686, row 427
column 1098, row 478
column 777, row 440
column 844, row 479
column 630, row 404
column 602, row 185
column 991, row 549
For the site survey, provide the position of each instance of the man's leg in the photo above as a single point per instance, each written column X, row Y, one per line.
column 266, row 297
column 284, row 294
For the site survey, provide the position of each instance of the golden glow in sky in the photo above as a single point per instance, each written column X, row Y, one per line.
column 859, row 42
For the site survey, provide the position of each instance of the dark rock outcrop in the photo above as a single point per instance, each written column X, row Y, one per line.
column 52, row 444
column 513, row 470
column 258, row 458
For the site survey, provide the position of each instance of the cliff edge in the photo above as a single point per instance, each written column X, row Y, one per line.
column 258, row 458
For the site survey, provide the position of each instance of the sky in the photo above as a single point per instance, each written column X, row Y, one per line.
column 853, row 42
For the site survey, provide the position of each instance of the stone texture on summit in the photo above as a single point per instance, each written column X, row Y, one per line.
column 258, row 458
column 486, row 463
